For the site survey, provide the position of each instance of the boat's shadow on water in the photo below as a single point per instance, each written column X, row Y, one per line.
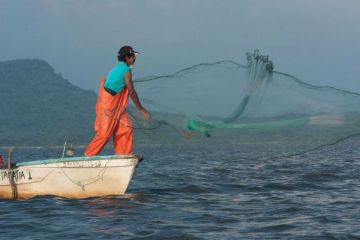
column 101, row 215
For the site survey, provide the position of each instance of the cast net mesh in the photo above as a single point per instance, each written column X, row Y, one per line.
column 273, row 113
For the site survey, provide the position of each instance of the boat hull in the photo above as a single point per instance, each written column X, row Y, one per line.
column 69, row 177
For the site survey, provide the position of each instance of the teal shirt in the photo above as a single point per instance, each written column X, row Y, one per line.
column 116, row 79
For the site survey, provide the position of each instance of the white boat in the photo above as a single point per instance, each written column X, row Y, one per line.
column 76, row 177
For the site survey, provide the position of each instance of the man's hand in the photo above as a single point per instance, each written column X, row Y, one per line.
column 145, row 113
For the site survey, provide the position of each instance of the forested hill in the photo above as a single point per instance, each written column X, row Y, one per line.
column 39, row 107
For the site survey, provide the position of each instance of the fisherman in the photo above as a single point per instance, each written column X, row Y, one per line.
column 111, row 116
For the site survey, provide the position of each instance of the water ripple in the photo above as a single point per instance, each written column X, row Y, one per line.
column 207, row 192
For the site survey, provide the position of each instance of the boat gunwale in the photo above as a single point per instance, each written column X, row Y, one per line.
column 83, row 158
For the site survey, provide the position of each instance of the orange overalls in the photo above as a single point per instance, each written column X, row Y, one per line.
column 111, row 119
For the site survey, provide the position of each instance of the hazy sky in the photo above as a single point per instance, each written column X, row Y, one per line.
column 315, row 40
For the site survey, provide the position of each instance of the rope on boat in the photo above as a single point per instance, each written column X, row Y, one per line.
column 11, row 175
column 98, row 177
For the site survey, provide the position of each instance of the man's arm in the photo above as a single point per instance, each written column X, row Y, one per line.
column 134, row 96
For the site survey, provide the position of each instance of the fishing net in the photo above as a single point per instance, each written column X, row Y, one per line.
column 270, row 112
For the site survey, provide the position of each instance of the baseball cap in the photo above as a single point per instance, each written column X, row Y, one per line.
column 126, row 50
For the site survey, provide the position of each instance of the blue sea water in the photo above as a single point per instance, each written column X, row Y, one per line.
column 206, row 192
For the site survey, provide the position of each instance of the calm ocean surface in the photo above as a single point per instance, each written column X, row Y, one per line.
column 206, row 192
